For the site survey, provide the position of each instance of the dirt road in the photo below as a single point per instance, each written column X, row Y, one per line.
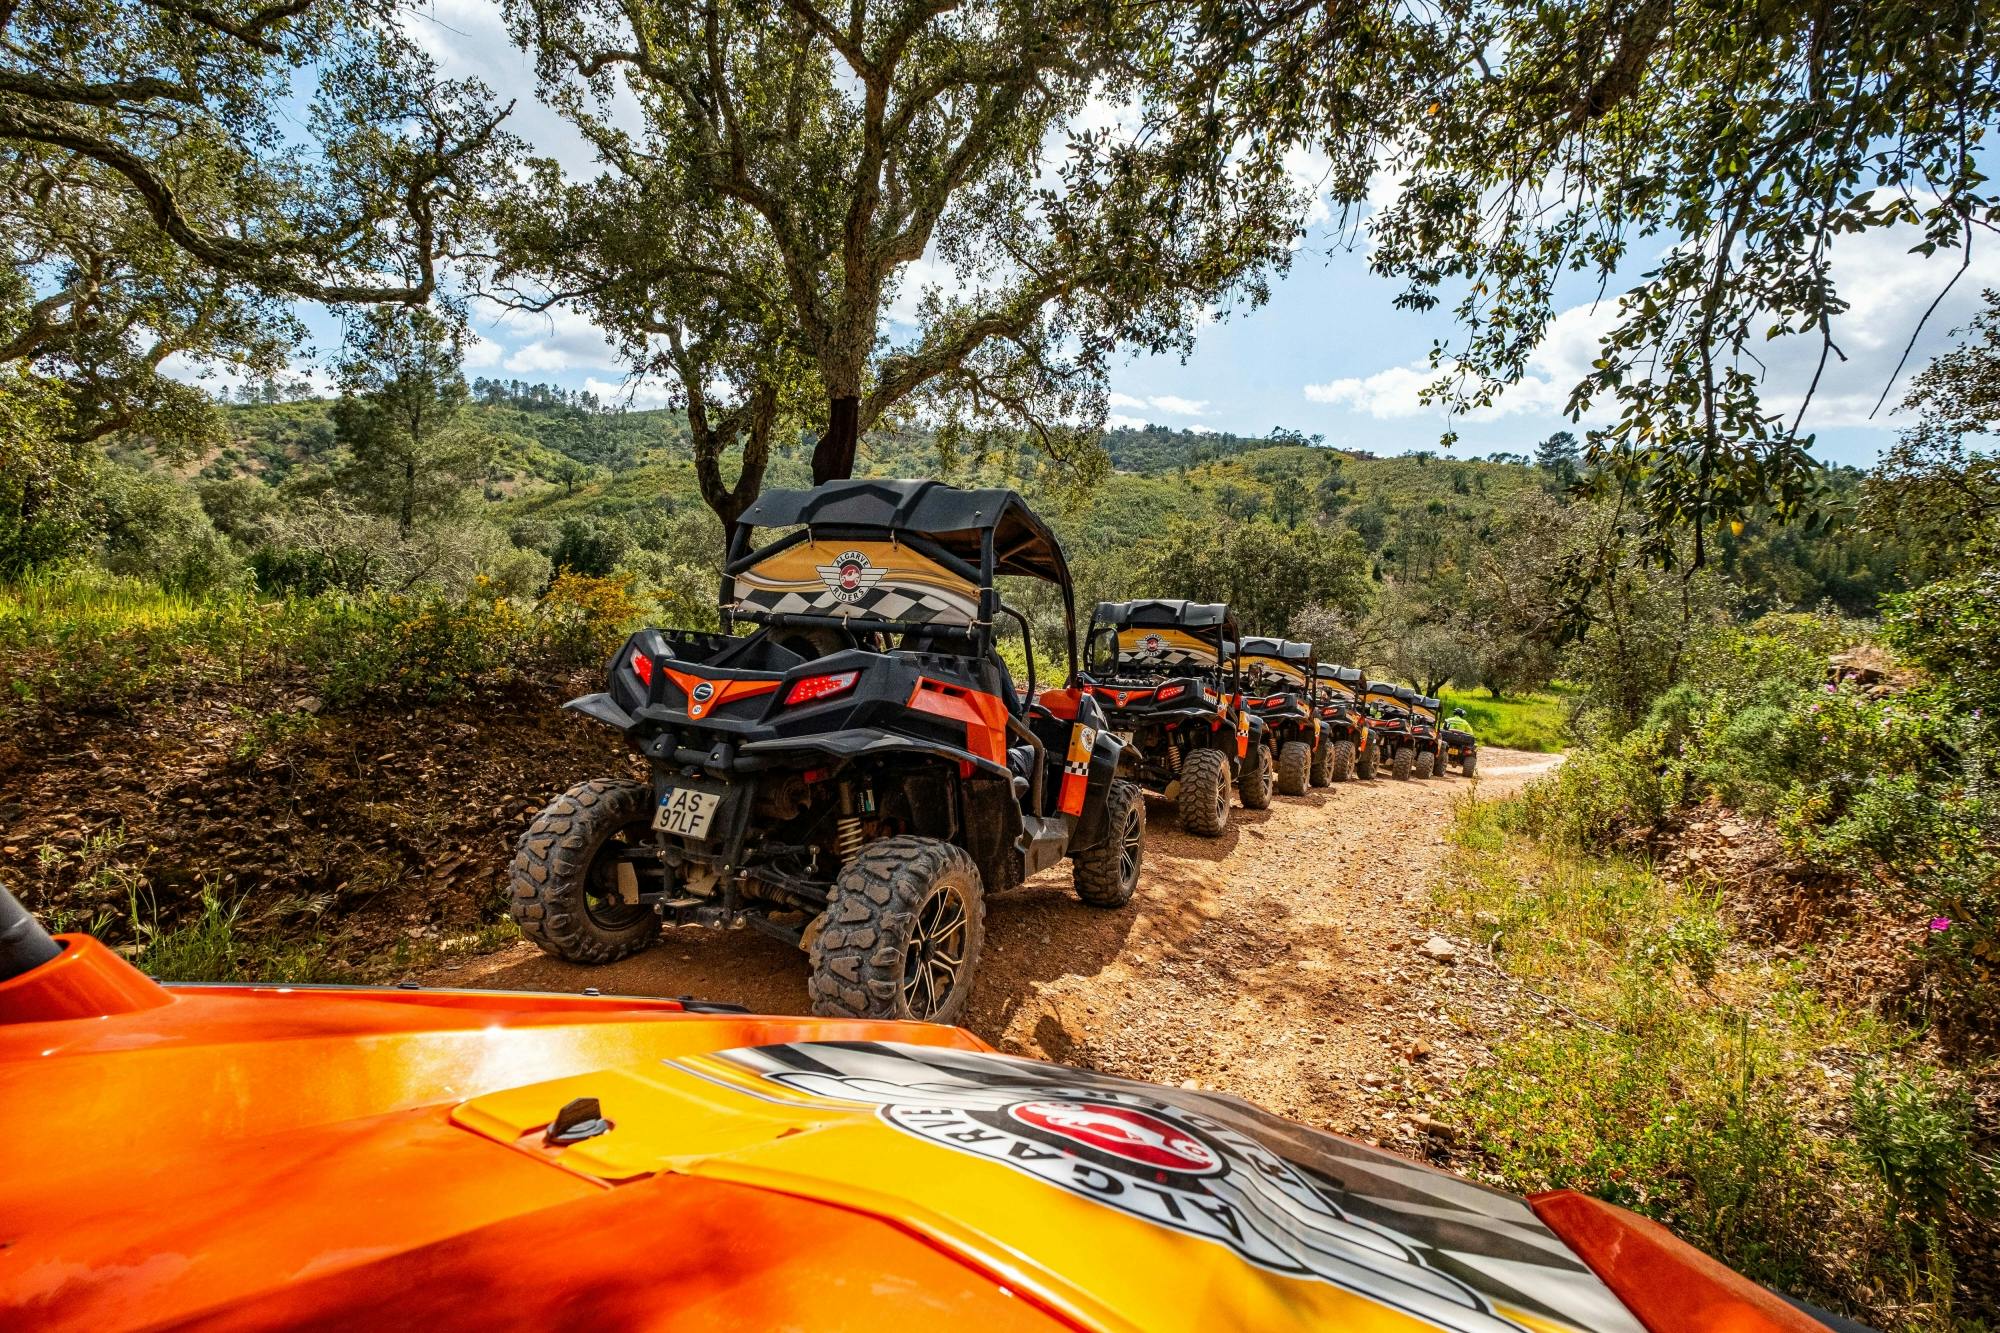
column 1284, row 962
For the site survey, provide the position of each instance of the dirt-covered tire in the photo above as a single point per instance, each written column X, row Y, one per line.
column 1294, row 768
column 1340, row 761
column 1424, row 761
column 1106, row 874
column 1254, row 788
column 1401, row 763
column 904, row 926
column 1204, row 793
column 563, row 886
column 1471, row 764
column 1321, row 773
column 1364, row 765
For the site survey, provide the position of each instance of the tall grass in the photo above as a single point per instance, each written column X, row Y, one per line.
column 1666, row 1065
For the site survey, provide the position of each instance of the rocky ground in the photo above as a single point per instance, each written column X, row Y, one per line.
column 1290, row 961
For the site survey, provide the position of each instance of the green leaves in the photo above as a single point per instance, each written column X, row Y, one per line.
column 1524, row 141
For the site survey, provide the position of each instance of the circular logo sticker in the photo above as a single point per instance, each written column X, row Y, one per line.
column 1151, row 643
column 850, row 577
column 1123, row 1131
column 703, row 692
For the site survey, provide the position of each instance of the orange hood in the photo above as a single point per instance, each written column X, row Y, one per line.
column 258, row 1157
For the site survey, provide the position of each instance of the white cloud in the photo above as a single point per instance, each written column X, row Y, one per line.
column 641, row 391
column 1163, row 402
column 1887, row 290
column 482, row 352
column 1120, row 422
column 537, row 357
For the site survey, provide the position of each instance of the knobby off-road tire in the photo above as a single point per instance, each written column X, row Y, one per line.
column 1294, row 767
column 1424, row 761
column 1106, row 874
column 1255, row 788
column 1401, row 763
column 1322, row 765
column 563, row 884
column 1471, row 764
column 1364, row 767
column 904, row 926
column 1204, row 794
column 1340, row 761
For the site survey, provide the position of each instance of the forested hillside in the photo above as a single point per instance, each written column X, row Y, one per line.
column 1429, row 567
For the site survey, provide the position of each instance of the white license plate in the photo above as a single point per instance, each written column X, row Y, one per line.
column 686, row 813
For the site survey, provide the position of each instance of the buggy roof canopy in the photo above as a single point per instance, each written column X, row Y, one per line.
column 1288, row 649
column 955, row 519
column 1345, row 675
column 1168, row 612
column 1428, row 701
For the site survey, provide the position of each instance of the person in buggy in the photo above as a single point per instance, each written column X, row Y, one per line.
column 855, row 772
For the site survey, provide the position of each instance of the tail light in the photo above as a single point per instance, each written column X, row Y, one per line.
column 642, row 667
column 1170, row 692
column 814, row 688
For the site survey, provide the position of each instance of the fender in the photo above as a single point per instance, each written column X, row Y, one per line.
column 1090, row 827
column 602, row 708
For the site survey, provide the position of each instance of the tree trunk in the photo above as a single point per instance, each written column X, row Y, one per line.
column 833, row 457
column 408, row 518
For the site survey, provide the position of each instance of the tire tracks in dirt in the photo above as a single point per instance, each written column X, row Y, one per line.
column 1283, row 962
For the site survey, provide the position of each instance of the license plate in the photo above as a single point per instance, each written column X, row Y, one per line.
column 686, row 812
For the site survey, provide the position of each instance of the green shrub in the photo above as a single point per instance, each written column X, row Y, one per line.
column 1659, row 1063
column 1895, row 790
column 88, row 640
column 155, row 528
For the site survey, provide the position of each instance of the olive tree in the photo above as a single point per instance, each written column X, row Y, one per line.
column 774, row 169
column 173, row 174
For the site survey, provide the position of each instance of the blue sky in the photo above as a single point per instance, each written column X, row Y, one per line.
column 1329, row 354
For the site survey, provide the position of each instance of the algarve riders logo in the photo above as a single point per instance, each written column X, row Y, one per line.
column 850, row 577
column 1402, row 1243
column 1151, row 646
column 1135, row 1136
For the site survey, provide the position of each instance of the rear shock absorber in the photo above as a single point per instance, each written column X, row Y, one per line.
column 848, row 835
column 1173, row 757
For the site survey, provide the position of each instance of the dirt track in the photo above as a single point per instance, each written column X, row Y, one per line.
column 1283, row 962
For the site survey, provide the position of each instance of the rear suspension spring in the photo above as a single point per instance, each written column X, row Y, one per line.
column 847, row 838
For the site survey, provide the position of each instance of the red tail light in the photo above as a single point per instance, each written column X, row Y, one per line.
column 1171, row 692
column 642, row 667
column 814, row 688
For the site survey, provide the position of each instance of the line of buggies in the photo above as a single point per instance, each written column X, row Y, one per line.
column 850, row 766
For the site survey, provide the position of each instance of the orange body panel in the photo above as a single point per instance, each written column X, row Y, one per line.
column 269, row 1157
column 234, row 1143
column 984, row 715
column 83, row 981
column 1671, row 1286
column 723, row 690
column 1076, row 769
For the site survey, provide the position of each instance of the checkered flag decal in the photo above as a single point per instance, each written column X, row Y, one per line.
column 884, row 601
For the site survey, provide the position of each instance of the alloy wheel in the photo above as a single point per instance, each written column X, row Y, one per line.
column 936, row 953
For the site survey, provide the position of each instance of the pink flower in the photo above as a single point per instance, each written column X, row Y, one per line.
column 1940, row 923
